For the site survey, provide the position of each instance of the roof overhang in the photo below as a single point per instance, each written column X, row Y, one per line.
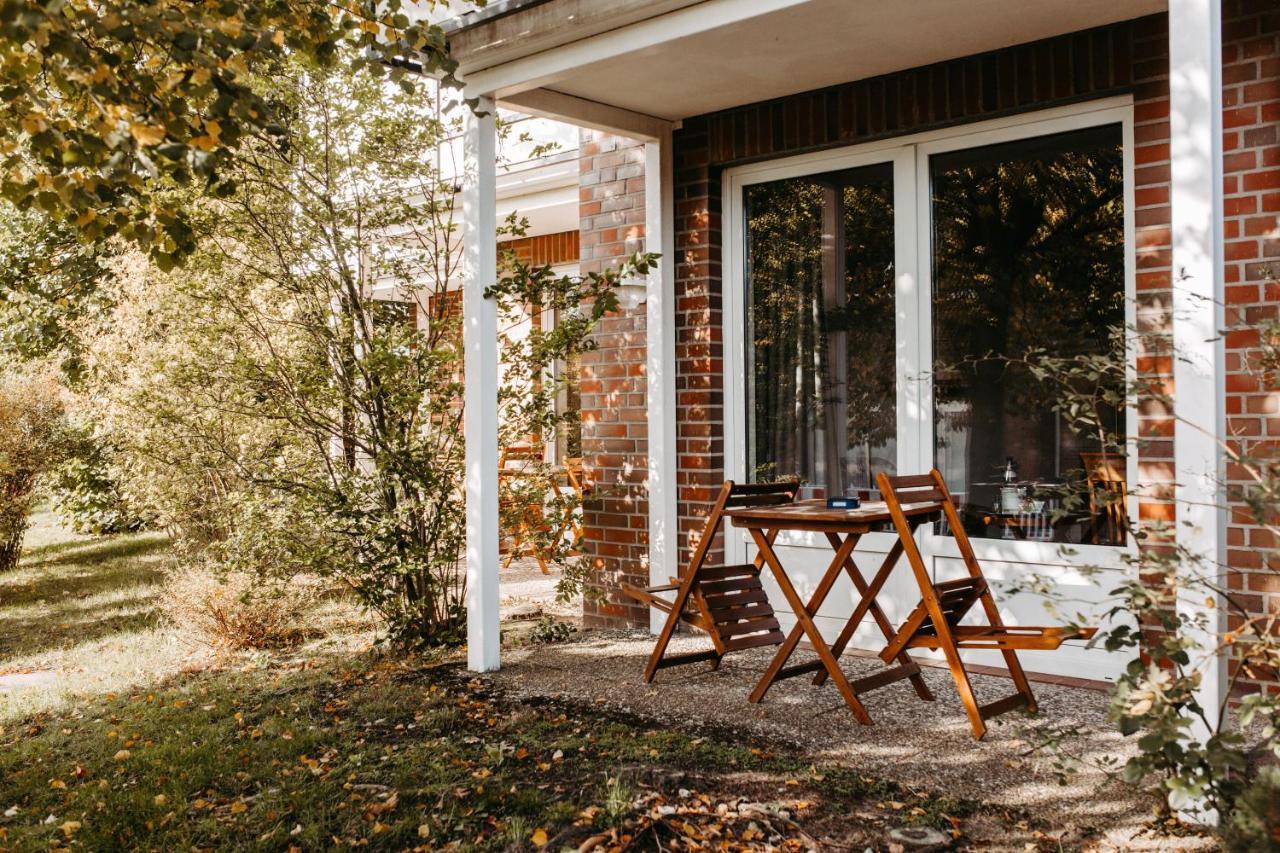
column 657, row 62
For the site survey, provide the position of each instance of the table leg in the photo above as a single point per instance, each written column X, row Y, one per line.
column 805, row 624
column 867, row 602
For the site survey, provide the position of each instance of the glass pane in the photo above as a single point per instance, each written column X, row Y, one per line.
column 820, row 280
column 1028, row 253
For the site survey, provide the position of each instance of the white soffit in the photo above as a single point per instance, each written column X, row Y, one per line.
column 818, row 43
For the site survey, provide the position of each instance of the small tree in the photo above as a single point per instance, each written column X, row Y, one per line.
column 30, row 429
column 286, row 404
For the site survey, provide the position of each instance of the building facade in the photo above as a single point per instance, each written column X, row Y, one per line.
column 850, row 261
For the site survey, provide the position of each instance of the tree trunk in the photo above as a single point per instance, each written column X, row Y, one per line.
column 13, row 529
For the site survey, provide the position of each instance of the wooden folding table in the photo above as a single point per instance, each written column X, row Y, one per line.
column 842, row 528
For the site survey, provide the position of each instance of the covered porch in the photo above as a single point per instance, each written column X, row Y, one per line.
column 711, row 90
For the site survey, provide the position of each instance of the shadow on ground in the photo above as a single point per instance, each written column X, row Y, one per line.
column 74, row 593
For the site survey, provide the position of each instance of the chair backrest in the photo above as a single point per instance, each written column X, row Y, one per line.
column 734, row 496
column 925, row 488
column 519, row 455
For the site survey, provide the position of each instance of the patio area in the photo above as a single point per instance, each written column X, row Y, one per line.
column 920, row 745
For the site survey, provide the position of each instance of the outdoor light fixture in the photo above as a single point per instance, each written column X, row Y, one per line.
column 633, row 289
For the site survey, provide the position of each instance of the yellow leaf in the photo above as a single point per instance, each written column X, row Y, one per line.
column 539, row 837
column 238, row 807
column 147, row 134
column 57, row 783
column 122, row 755
column 160, row 799
column 34, row 123
column 69, row 827
column 277, row 38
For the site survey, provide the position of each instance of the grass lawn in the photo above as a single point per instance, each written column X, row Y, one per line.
column 328, row 746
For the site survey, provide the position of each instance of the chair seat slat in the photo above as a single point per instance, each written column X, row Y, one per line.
column 773, row 638
column 754, row 626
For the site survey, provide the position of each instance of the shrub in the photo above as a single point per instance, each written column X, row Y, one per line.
column 30, row 438
column 237, row 610
column 85, row 490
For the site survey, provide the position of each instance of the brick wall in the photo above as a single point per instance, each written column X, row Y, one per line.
column 614, row 421
column 1251, row 162
column 1129, row 57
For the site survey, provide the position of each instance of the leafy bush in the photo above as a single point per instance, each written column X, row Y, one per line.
column 85, row 490
column 31, row 419
column 1198, row 757
column 236, row 610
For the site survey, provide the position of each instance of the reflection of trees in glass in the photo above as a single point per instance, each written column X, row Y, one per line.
column 820, row 254
column 1028, row 243
column 785, row 273
column 872, row 385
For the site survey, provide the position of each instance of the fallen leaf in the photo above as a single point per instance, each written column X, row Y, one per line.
column 69, row 827
column 539, row 837
column 122, row 755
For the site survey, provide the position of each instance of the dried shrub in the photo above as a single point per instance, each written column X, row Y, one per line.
column 236, row 610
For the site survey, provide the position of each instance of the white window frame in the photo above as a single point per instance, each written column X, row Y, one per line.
column 913, row 268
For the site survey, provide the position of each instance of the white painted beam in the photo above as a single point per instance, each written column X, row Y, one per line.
column 548, row 66
column 660, row 366
column 1195, row 129
column 584, row 113
column 480, row 393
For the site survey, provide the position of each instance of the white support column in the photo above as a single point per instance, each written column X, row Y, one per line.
column 1195, row 129
column 480, row 395
column 660, row 337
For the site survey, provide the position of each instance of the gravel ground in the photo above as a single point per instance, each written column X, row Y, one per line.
column 527, row 593
column 926, row 745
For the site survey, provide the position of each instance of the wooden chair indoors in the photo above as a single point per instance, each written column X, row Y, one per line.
column 729, row 603
column 935, row 622
column 1108, row 487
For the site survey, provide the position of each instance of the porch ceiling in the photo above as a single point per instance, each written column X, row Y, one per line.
column 679, row 69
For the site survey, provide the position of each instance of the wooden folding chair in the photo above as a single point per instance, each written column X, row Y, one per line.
column 517, row 461
column 935, row 622
column 728, row 602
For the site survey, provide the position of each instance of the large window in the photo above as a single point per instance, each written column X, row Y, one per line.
column 820, row 253
column 886, row 301
column 1028, row 256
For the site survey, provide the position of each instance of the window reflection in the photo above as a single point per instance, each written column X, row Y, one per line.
column 1028, row 253
column 820, row 252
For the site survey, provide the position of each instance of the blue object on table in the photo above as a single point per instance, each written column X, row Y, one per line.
column 851, row 502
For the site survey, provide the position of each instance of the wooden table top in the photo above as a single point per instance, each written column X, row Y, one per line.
column 816, row 515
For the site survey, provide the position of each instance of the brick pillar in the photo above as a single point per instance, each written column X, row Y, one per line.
column 1251, row 171
column 614, row 419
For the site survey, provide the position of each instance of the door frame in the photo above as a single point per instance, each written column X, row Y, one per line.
column 909, row 155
